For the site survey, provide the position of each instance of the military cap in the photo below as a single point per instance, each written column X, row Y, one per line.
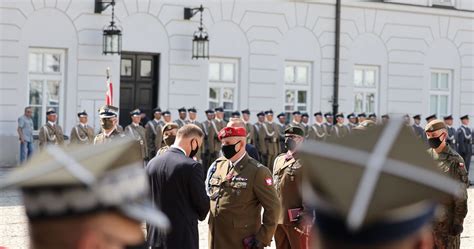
column 384, row 192
column 372, row 115
column 351, row 115
column 339, row 115
column 294, row 130
column 82, row 114
column 192, row 109
column 305, row 115
column 385, row 116
column 296, row 113
column 246, row 111
column 169, row 127
column 108, row 111
column 464, row 117
column 219, row 109
column 260, row 114
column 318, row 114
column 328, row 114
column 417, row 116
column 435, row 125
column 79, row 180
column 235, row 114
column 449, row 117
column 157, row 110
column 166, row 113
column 51, row 111
column 182, row 109
column 362, row 115
column 209, row 111
column 269, row 112
column 135, row 112
column 282, row 114
column 431, row 117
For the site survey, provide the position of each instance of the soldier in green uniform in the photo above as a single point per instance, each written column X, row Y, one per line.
column 153, row 134
column 181, row 121
column 238, row 187
column 166, row 117
column 136, row 132
column 169, row 135
column 248, row 127
column 316, row 131
column 260, row 145
column 305, row 123
column 352, row 121
column 449, row 226
column 206, row 126
column 82, row 133
column 329, row 124
column 287, row 177
column 51, row 133
column 216, row 125
column 108, row 123
column 296, row 121
column 340, row 129
column 269, row 140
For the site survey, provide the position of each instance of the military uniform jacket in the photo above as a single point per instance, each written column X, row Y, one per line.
column 181, row 122
column 250, row 133
column 102, row 138
column 287, row 177
column 49, row 134
column 451, row 140
column 154, row 137
column 419, row 132
column 137, row 132
column 215, row 127
column 206, row 126
column 237, row 196
column 464, row 140
column 351, row 125
column 257, row 127
column 454, row 209
column 328, row 129
column 269, row 138
column 82, row 134
column 316, row 132
column 340, row 130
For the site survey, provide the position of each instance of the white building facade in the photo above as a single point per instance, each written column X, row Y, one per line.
column 395, row 58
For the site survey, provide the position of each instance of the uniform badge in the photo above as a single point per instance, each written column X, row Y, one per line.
column 269, row 181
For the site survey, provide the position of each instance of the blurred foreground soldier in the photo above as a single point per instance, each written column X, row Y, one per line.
column 287, row 177
column 361, row 117
column 248, row 127
column 451, row 140
column 305, row 122
column 216, row 125
column 269, row 137
column 51, row 133
column 166, row 117
column 352, row 121
column 419, row 131
column 316, row 131
column 82, row 133
column 239, row 187
column 328, row 125
column 449, row 226
column 385, row 118
column 169, row 136
column 464, row 141
column 373, row 117
column 136, row 132
column 386, row 193
column 430, row 118
column 86, row 197
column 340, row 129
column 108, row 123
column 177, row 184
column 153, row 134
column 181, row 121
column 281, row 129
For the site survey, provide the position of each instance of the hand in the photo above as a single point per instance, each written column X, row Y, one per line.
column 456, row 230
column 22, row 141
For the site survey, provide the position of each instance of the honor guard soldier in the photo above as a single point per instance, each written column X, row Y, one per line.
column 352, row 121
column 449, row 226
column 181, row 121
column 167, row 117
column 136, row 132
column 257, row 126
column 385, row 194
column 51, row 133
column 269, row 137
column 373, row 117
column 419, row 131
column 153, row 134
column 281, row 128
column 317, row 131
column 216, row 125
column 430, row 118
column 329, row 124
column 239, row 187
column 206, row 125
column 464, row 141
column 361, row 117
column 248, row 127
column 108, row 123
column 86, row 197
column 296, row 121
column 235, row 114
column 340, row 129
column 287, row 177
column 305, row 122
column 169, row 136
column 82, row 133
column 451, row 139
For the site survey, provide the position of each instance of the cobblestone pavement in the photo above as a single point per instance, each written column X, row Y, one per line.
column 14, row 232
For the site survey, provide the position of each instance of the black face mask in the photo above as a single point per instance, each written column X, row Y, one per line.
column 195, row 151
column 435, row 142
column 229, row 150
column 169, row 140
column 290, row 143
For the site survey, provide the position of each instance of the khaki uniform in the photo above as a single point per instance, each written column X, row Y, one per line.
column 317, row 132
column 162, row 150
column 250, row 133
column 154, row 137
column 269, row 142
column 181, row 122
column 50, row 134
column 101, row 138
column 82, row 134
column 237, row 196
column 351, row 126
column 340, row 130
column 328, row 129
column 206, row 160
column 287, row 177
column 454, row 209
column 214, row 142
column 137, row 132
column 257, row 127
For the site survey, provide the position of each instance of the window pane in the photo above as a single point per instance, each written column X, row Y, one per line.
column 126, row 67
column 228, row 98
column 358, row 75
column 433, row 104
column 302, row 108
column 434, row 81
column 289, row 74
column 52, row 63
column 443, row 81
column 37, row 117
column 214, row 71
column 35, row 62
column 358, row 102
column 302, row 74
column 213, row 97
column 145, row 68
column 289, row 108
column 52, row 93
column 36, row 92
column 370, row 102
column 370, row 78
column 227, row 72
column 301, row 97
column 443, row 105
column 290, row 97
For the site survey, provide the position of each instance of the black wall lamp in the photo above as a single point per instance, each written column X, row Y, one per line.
column 112, row 35
column 200, row 37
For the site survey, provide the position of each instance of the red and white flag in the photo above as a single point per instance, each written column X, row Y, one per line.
column 109, row 94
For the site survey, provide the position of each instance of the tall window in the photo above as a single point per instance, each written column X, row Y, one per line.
column 440, row 93
column 366, row 81
column 46, row 75
column 297, row 84
column 223, row 80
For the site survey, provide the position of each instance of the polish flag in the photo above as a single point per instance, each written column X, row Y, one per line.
column 109, row 94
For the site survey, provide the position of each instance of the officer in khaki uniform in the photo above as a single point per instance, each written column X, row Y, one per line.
column 316, row 131
column 153, row 134
column 136, row 132
column 169, row 136
column 287, row 177
column 238, row 187
column 206, row 127
column 260, row 145
column 216, row 125
column 51, row 133
column 108, row 123
column 449, row 226
column 269, row 140
column 82, row 133
column 248, row 127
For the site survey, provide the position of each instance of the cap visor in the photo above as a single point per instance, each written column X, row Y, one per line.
column 146, row 212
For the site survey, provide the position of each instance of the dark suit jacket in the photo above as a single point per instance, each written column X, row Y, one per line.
column 252, row 151
column 177, row 188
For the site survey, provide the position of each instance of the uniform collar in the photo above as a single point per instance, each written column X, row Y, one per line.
column 51, row 123
column 110, row 133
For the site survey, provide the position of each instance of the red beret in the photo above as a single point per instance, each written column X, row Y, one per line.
column 232, row 132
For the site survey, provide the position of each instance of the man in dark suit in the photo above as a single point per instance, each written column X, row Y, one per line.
column 177, row 187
